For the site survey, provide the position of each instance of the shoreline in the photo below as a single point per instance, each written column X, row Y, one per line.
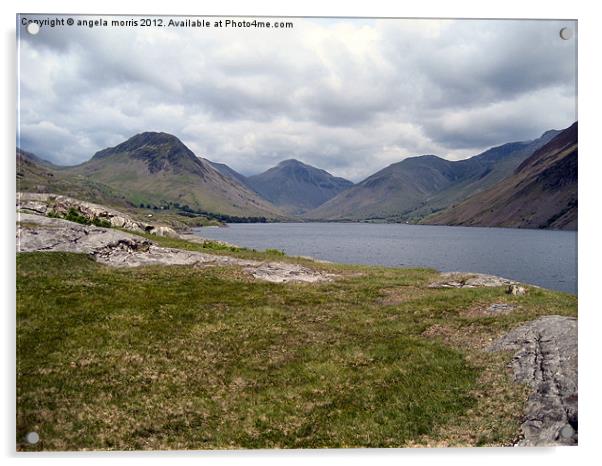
column 296, row 242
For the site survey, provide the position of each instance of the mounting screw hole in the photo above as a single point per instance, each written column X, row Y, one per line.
column 566, row 33
column 33, row 28
column 32, row 438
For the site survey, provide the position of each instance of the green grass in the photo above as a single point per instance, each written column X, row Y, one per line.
column 197, row 358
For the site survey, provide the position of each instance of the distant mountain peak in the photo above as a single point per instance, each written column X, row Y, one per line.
column 156, row 168
column 291, row 162
column 550, row 133
column 161, row 152
column 148, row 144
column 296, row 186
column 421, row 158
column 155, row 137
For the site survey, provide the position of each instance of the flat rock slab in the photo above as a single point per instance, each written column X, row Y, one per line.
column 546, row 359
column 490, row 310
column 500, row 308
column 469, row 280
column 120, row 249
column 280, row 272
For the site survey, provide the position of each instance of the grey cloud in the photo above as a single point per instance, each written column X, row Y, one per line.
column 347, row 96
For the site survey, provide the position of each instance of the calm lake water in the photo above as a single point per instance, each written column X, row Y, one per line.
column 541, row 257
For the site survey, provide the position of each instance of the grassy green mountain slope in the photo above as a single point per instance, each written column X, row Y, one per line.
column 37, row 175
column 488, row 168
column 541, row 193
column 157, row 168
column 392, row 192
column 229, row 172
column 418, row 186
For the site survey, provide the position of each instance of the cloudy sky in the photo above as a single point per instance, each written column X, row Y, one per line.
column 349, row 96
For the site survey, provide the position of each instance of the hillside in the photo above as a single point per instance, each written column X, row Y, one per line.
column 418, row 186
column 229, row 172
column 541, row 193
column 158, row 169
column 37, row 175
column 297, row 187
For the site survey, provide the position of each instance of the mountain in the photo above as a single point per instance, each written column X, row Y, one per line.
column 229, row 172
column 418, row 186
column 29, row 157
column 541, row 193
column 296, row 187
column 38, row 175
column 158, row 169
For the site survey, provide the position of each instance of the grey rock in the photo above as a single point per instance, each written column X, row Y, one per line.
column 38, row 233
column 162, row 230
column 121, row 249
column 500, row 308
column 546, row 359
column 280, row 272
column 469, row 280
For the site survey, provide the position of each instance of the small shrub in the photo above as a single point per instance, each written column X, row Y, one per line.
column 75, row 216
column 275, row 252
column 101, row 222
column 217, row 246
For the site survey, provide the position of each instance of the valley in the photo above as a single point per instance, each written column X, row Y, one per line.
column 156, row 173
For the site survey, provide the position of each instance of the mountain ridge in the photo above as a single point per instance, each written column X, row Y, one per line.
column 157, row 168
column 421, row 185
column 540, row 193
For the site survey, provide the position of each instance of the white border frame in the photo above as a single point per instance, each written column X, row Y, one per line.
column 589, row 196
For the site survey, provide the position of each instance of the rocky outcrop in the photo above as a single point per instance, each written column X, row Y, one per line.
column 39, row 233
column 46, row 204
column 121, row 249
column 469, row 280
column 546, row 359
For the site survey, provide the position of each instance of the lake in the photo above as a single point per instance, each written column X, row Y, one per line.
column 541, row 257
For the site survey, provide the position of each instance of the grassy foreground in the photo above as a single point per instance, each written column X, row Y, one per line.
column 198, row 358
